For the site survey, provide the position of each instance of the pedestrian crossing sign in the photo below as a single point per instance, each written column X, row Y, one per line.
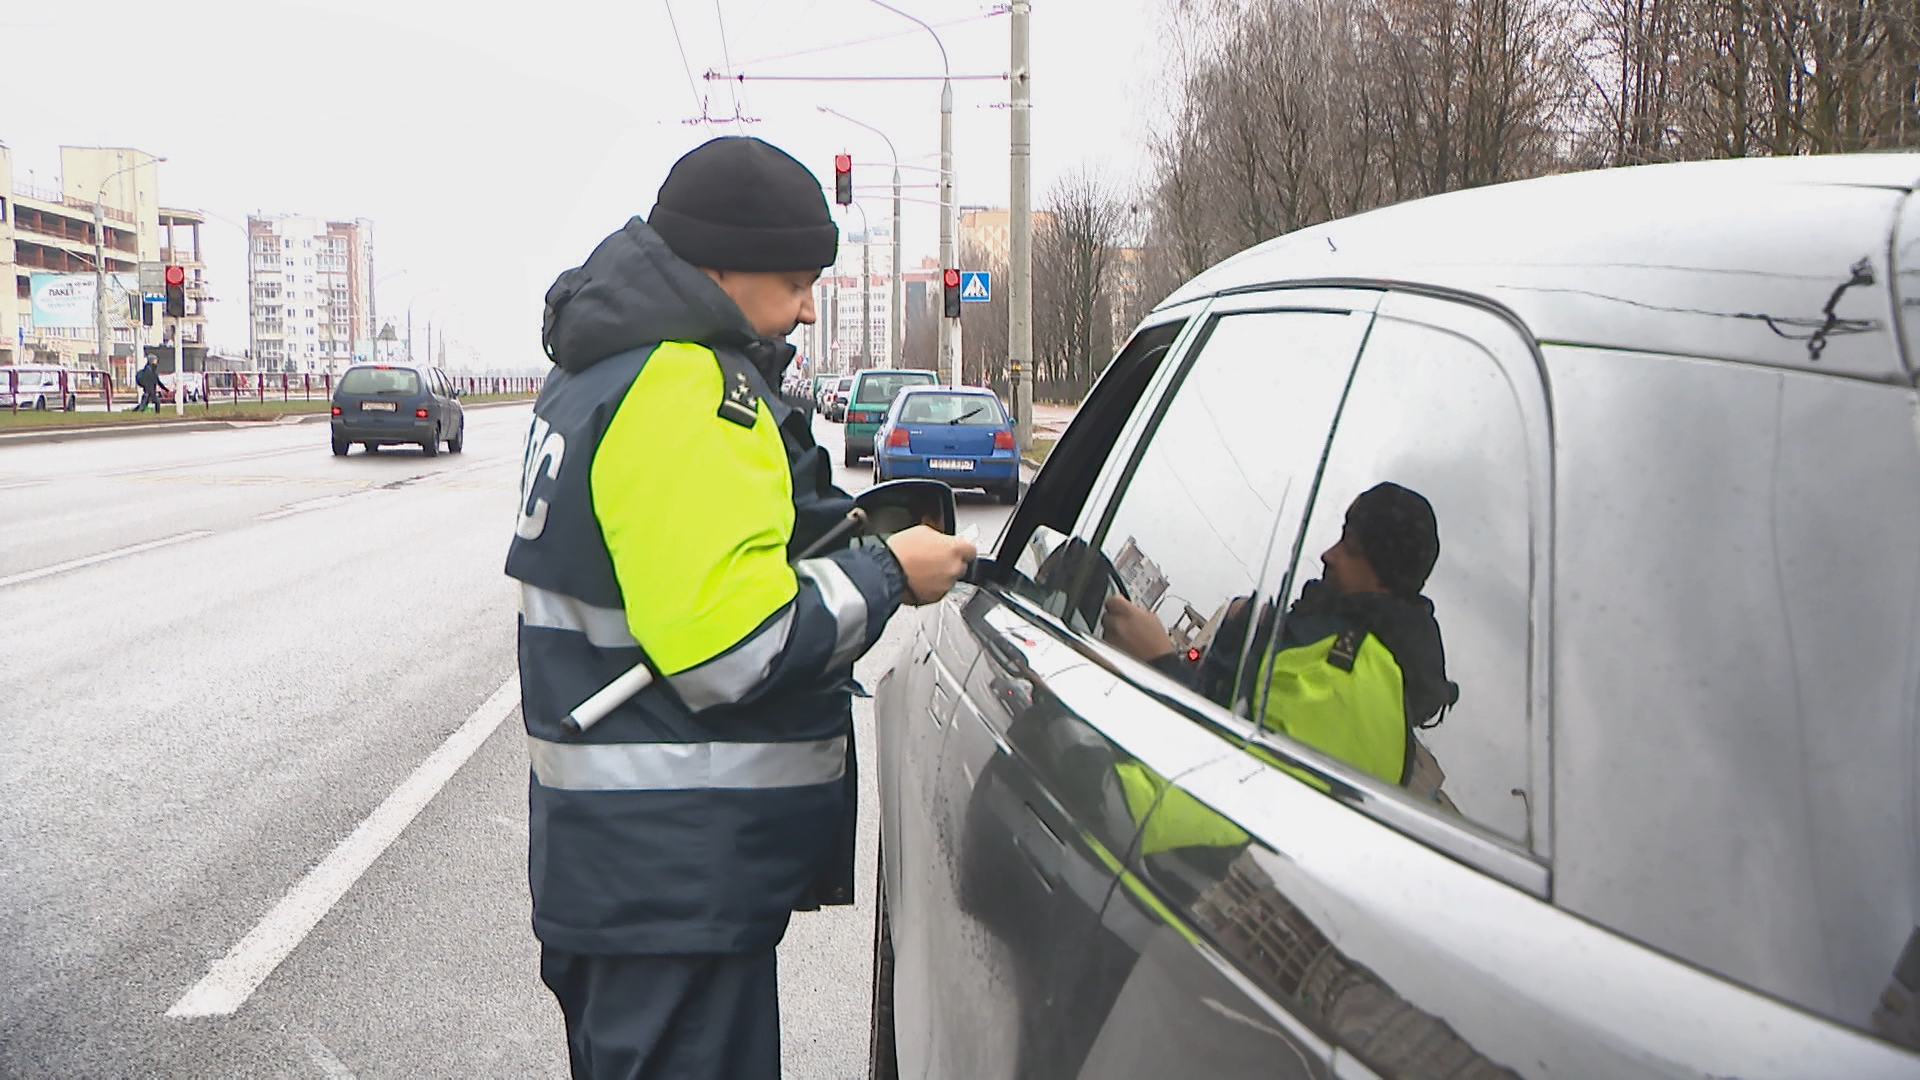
column 976, row 286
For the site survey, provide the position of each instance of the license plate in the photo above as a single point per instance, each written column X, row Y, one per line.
column 378, row 406
column 950, row 465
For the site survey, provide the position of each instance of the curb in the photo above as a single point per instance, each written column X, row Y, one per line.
column 109, row 431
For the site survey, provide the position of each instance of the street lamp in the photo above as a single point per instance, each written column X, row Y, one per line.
column 101, row 352
column 947, row 359
column 896, row 296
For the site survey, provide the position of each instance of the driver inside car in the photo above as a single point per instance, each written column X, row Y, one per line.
column 1359, row 664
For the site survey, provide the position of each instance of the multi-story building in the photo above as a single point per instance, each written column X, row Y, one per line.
column 310, row 292
column 49, row 229
column 841, row 309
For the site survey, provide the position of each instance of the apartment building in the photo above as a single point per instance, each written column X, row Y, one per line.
column 47, row 239
column 841, row 309
column 310, row 292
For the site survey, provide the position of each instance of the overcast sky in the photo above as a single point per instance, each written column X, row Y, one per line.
column 494, row 145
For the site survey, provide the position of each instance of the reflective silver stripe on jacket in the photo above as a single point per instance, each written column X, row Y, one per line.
column 686, row 766
column 845, row 600
column 606, row 628
column 733, row 674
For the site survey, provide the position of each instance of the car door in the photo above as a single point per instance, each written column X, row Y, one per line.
column 1280, row 897
column 952, row 1021
column 458, row 411
column 1039, row 778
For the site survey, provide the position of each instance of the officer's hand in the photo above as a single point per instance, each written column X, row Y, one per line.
column 1134, row 630
column 932, row 561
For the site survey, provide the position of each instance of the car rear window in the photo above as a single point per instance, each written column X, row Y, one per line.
column 970, row 410
column 882, row 389
column 366, row 380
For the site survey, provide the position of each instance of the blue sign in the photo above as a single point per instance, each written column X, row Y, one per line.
column 976, row 286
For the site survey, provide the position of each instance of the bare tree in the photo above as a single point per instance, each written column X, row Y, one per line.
column 1072, row 255
column 983, row 333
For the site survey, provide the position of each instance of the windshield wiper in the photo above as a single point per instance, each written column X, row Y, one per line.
column 967, row 416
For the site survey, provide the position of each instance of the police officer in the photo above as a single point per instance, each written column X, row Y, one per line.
column 666, row 489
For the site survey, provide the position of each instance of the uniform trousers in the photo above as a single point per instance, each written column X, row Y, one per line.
column 668, row 1017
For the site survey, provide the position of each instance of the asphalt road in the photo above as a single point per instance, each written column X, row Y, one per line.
column 194, row 730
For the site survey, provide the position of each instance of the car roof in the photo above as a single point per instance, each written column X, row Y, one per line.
column 895, row 371
column 401, row 366
column 942, row 389
column 1733, row 260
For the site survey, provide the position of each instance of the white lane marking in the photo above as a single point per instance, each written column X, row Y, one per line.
column 18, row 484
column 323, row 1058
column 117, row 553
column 235, row 976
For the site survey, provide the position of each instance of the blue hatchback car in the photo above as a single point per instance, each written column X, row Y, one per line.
column 957, row 434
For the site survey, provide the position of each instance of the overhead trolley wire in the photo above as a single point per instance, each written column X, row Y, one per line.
column 699, row 102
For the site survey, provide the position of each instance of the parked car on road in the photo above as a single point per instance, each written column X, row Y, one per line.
column 873, row 390
column 1472, row 638
column 960, row 435
column 33, row 386
column 392, row 404
column 837, row 399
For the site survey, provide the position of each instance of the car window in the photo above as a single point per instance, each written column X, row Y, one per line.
column 880, row 389
column 1404, row 647
column 374, row 380
column 1188, row 544
column 971, row 410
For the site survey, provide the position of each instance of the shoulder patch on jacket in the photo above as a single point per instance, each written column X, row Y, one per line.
column 1345, row 646
column 739, row 404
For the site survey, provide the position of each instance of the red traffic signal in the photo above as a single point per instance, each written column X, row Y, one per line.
column 176, row 279
column 950, row 278
column 843, row 179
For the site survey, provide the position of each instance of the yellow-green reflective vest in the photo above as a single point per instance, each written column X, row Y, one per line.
column 1357, row 715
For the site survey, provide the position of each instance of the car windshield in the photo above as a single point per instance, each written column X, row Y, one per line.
column 972, row 410
column 369, row 380
column 882, row 389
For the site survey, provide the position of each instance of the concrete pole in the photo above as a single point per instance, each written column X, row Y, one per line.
column 1020, row 234
column 179, row 373
column 866, row 295
column 949, row 368
column 897, row 297
column 102, row 350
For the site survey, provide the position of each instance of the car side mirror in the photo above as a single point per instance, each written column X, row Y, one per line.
column 902, row 504
column 457, row 391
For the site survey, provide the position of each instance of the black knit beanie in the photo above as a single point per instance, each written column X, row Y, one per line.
column 1396, row 530
column 739, row 203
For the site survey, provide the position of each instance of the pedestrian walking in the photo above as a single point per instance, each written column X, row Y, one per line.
column 666, row 488
column 148, row 380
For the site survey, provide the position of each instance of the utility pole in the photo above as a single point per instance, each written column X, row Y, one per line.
column 866, row 294
column 897, row 292
column 948, row 366
column 1020, row 233
column 103, row 352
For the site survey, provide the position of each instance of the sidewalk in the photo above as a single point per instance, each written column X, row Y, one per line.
column 27, row 436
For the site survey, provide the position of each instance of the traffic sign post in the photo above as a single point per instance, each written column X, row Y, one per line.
column 976, row 286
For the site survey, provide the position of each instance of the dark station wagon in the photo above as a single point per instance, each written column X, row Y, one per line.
column 1588, row 750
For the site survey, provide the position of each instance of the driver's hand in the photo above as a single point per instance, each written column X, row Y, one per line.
column 932, row 561
column 1134, row 630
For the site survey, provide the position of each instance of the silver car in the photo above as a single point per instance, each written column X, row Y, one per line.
column 1588, row 750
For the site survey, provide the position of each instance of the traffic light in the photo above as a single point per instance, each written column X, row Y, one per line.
column 176, row 292
column 950, row 279
column 843, row 179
